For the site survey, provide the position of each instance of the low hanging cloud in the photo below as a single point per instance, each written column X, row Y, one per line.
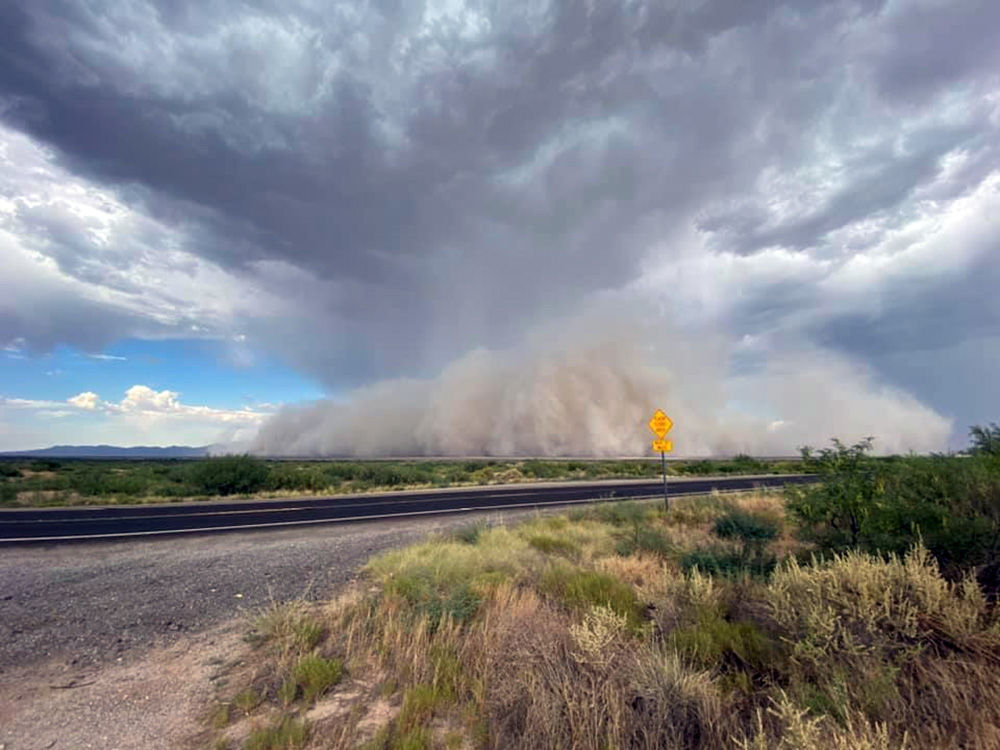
column 587, row 387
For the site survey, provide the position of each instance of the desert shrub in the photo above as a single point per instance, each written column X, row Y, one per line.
column 645, row 539
column 95, row 481
column 674, row 705
column 857, row 604
column 314, row 675
column 744, row 464
column 583, row 589
column 469, row 533
column 45, row 464
column 229, row 475
column 287, row 734
column 8, row 493
column 715, row 561
column 290, row 629
column 553, row 545
column 297, row 478
column 752, row 532
column 9, row 470
column 543, row 469
column 714, row 641
column 952, row 503
column 621, row 514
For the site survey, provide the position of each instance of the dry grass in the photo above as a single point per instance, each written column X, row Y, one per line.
column 545, row 635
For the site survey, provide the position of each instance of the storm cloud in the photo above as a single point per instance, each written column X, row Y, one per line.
column 389, row 196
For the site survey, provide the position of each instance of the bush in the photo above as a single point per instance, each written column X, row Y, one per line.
column 753, row 532
column 45, row 464
column 230, row 475
column 8, row 493
column 314, row 675
column 8, row 470
column 584, row 589
column 97, row 481
column 286, row 734
column 644, row 539
column 952, row 503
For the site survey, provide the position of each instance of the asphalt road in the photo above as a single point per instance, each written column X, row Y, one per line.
column 81, row 523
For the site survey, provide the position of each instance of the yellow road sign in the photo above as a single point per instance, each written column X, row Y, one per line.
column 663, row 446
column 660, row 424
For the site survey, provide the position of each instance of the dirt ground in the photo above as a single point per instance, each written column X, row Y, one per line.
column 153, row 700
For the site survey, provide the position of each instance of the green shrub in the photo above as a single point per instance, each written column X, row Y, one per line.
column 753, row 532
column 419, row 703
column 622, row 513
column 97, row 481
column 9, row 470
column 745, row 527
column 584, row 589
column 460, row 603
column 287, row 734
column 715, row 642
column 552, row 545
column 314, row 675
column 296, row 478
column 469, row 534
column 543, row 469
column 644, row 539
column 719, row 561
column 45, row 464
column 230, row 475
column 951, row 503
column 8, row 493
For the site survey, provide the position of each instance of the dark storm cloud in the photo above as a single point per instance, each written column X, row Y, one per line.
column 447, row 176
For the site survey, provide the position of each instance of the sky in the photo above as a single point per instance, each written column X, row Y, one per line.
column 446, row 227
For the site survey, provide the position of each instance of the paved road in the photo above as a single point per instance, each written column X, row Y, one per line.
column 77, row 523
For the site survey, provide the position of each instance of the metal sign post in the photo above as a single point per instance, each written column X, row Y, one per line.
column 660, row 424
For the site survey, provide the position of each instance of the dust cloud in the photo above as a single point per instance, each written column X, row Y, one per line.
column 587, row 387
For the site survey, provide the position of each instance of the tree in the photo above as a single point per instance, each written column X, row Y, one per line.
column 985, row 440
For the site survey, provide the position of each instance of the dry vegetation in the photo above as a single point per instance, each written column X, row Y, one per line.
column 599, row 629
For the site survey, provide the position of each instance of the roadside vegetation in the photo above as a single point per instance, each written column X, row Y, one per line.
column 75, row 481
column 857, row 613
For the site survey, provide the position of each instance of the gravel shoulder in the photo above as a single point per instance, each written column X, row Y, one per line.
column 120, row 639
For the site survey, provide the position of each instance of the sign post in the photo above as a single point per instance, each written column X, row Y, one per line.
column 661, row 424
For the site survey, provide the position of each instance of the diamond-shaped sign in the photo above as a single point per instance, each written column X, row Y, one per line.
column 660, row 424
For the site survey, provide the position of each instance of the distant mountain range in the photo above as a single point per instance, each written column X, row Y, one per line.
column 114, row 451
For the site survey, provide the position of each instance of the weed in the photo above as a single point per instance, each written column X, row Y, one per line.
column 553, row 545
column 583, row 589
column 287, row 734
column 419, row 703
column 469, row 534
column 220, row 717
column 314, row 675
column 643, row 539
column 247, row 700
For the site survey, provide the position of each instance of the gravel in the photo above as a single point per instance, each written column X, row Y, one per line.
column 97, row 603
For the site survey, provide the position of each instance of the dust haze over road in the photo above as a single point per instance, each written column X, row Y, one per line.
column 585, row 387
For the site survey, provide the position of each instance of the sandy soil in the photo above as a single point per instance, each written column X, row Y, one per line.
column 154, row 700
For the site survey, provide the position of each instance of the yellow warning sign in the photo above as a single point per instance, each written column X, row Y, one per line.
column 663, row 446
column 660, row 424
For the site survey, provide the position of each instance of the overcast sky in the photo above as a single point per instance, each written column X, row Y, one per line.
column 268, row 201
